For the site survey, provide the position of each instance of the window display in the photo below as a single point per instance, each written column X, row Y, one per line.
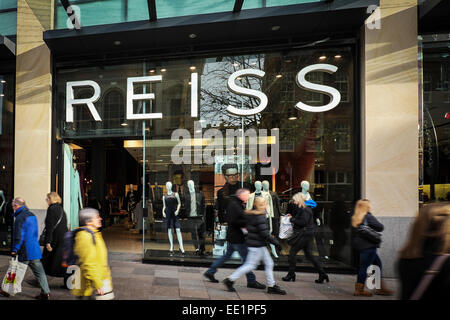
column 276, row 123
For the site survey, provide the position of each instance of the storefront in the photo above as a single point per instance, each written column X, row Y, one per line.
column 212, row 97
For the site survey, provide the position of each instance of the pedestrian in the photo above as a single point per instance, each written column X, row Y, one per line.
column 235, row 238
column 366, row 248
column 56, row 227
column 302, row 239
column 26, row 245
column 89, row 247
column 258, row 238
column 428, row 247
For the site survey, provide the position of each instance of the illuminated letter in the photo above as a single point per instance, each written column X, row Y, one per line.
column 70, row 100
column 246, row 92
column 331, row 92
column 143, row 96
column 194, row 95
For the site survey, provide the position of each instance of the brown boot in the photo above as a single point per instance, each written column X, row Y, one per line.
column 384, row 291
column 359, row 290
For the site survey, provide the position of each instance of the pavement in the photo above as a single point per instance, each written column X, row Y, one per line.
column 133, row 280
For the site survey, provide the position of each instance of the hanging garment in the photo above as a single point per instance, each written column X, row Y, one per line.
column 76, row 201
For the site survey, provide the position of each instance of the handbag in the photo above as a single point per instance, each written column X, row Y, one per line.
column 429, row 276
column 12, row 282
column 286, row 228
column 44, row 232
column 367, row 233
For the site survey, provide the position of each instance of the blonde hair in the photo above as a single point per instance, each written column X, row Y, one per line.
column 53, row 197
column 260, row 203
column 432, row 222
column 300, row 199
column 361, row 209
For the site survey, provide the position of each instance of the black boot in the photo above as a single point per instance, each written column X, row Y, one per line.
column 289, row 277
column 322, row 277
column 276, row 290
column 229, row 284
column 210, row 277
column 255, row 285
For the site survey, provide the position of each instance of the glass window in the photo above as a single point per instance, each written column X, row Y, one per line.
column 8, row 25
column 6, row 158
column 207, row 157
column 436, row 126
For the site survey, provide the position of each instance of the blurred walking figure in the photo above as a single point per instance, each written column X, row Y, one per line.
column 26, row 245
column 56, row 227
column 235, row 238
column 258, row 238
column 302, row 238
column 367, row 249
column 424, row 265
column 92, row 255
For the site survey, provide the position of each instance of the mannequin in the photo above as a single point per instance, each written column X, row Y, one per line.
column 171, row 208
column 310, row 203
column 195, row 209
column 259, row 192
column 76, row 200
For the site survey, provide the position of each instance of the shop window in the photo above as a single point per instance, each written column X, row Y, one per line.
column 114, row 108
column 341, row 84
column 342, row 137
column 314, row 97
column 427, row 88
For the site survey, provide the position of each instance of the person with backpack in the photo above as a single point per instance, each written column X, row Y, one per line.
column 90, row 254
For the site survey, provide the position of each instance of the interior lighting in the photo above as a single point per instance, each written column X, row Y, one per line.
column 3, row 81
column 338, row 56
column 293, row 118
column 275, row 28
column 163, row 70
column 192, row 67
column 192, row 36
column 322, row 57
column 124, row 124
column 278, row 76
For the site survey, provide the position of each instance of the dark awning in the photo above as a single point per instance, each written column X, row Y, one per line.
column 209, row 31
column 7, row 49
column 434, row 16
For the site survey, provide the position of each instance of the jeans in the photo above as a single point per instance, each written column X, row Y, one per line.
column 255, row 256
column 367, row 258
column 231, row 248
column 39, row 273
column 304, row 243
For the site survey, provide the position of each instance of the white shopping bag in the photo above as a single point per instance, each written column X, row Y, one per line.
column 12, row 282
column 286, row 229
column 107, row 289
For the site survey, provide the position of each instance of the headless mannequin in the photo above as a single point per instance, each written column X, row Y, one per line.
column 269, row 209
column 196, row 208
column 305, row 189
column 169, row 226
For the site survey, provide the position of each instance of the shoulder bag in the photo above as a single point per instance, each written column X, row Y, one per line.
column 367, row 233
column 44, row 232
column 429, row 276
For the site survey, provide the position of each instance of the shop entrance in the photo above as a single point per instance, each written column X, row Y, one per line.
column 104, row 175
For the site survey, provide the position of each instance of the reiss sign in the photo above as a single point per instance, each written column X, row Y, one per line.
column 335, row 96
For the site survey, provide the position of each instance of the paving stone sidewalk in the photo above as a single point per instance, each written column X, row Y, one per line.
column 134, row 280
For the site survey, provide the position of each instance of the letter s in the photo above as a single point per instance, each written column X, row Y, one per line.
column 334, row 94
column 246, row 92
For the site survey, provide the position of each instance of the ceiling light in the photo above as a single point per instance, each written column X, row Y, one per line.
column 322, row 57
column 288, row 60
column 189, row 83
column 275, row 28
column 2, row 95
column 3, row 81
column 192, row 67
column 192, row 36
column 163, row 70
column 338, row 56
column 117, row 43
column 124, row 124
column 235, row 64
column 278, row 76
column 152, row 70
column 293, row 118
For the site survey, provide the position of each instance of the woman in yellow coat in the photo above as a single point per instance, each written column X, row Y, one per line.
column 95, row 275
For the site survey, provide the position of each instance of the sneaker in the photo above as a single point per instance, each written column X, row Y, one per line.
column 229, row 284
column 276, row 290
column 255, row 285
column 210, row 277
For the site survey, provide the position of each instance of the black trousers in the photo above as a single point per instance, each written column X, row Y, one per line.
column 198, row 233
column 304, row 243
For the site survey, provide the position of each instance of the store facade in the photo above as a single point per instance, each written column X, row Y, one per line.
column 137, row 104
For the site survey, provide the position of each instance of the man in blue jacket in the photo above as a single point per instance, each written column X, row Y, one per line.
column 26, row 245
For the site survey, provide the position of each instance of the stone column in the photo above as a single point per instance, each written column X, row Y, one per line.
column 389, row 82
column 33, row 118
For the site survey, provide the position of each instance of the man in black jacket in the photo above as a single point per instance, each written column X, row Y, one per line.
column 257, row 240
column 235, row 238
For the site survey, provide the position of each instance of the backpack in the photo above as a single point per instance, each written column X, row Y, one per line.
column 69, row 256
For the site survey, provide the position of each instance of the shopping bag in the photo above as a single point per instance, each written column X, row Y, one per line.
column 12, row 282
column 108, row 290
column 286, row 228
